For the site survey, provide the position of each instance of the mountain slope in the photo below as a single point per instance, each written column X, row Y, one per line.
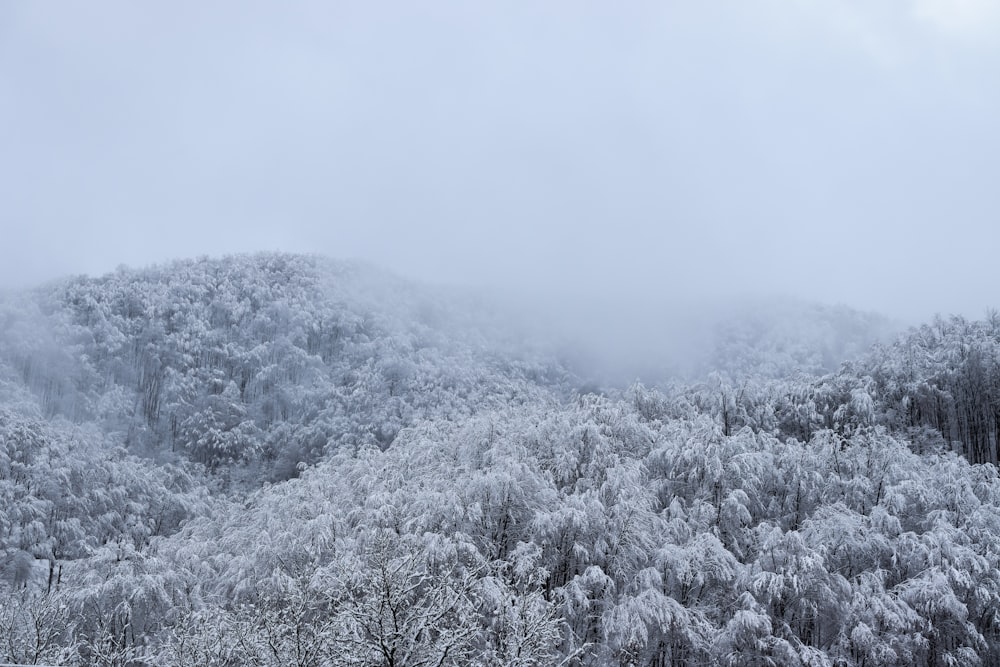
column 270, row 358
column 439, row 496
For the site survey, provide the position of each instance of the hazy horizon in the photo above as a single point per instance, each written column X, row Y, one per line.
column 835, row 152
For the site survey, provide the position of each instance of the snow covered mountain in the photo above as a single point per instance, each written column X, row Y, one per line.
column 278, row 459
column 272, row 359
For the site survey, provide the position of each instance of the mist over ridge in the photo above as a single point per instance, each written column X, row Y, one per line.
column 507, row 334
column 258, row 457
column 604, row 339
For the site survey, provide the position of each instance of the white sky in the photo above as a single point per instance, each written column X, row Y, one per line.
column 838, row 150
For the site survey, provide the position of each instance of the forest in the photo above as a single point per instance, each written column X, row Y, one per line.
column 281, row 459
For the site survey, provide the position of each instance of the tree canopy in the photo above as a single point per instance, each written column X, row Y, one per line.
column 284, row 460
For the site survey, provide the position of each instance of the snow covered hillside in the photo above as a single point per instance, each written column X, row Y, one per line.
column 286, row 460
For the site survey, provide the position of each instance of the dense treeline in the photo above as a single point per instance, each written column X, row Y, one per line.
column 78, row 518
column 271, row 358
column 945, row 376
column 435, row 499
column 938, row 383
column 595, row 534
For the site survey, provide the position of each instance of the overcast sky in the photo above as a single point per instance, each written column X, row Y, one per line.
column 839, row 150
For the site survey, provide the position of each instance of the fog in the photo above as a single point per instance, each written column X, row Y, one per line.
column 632, row 153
